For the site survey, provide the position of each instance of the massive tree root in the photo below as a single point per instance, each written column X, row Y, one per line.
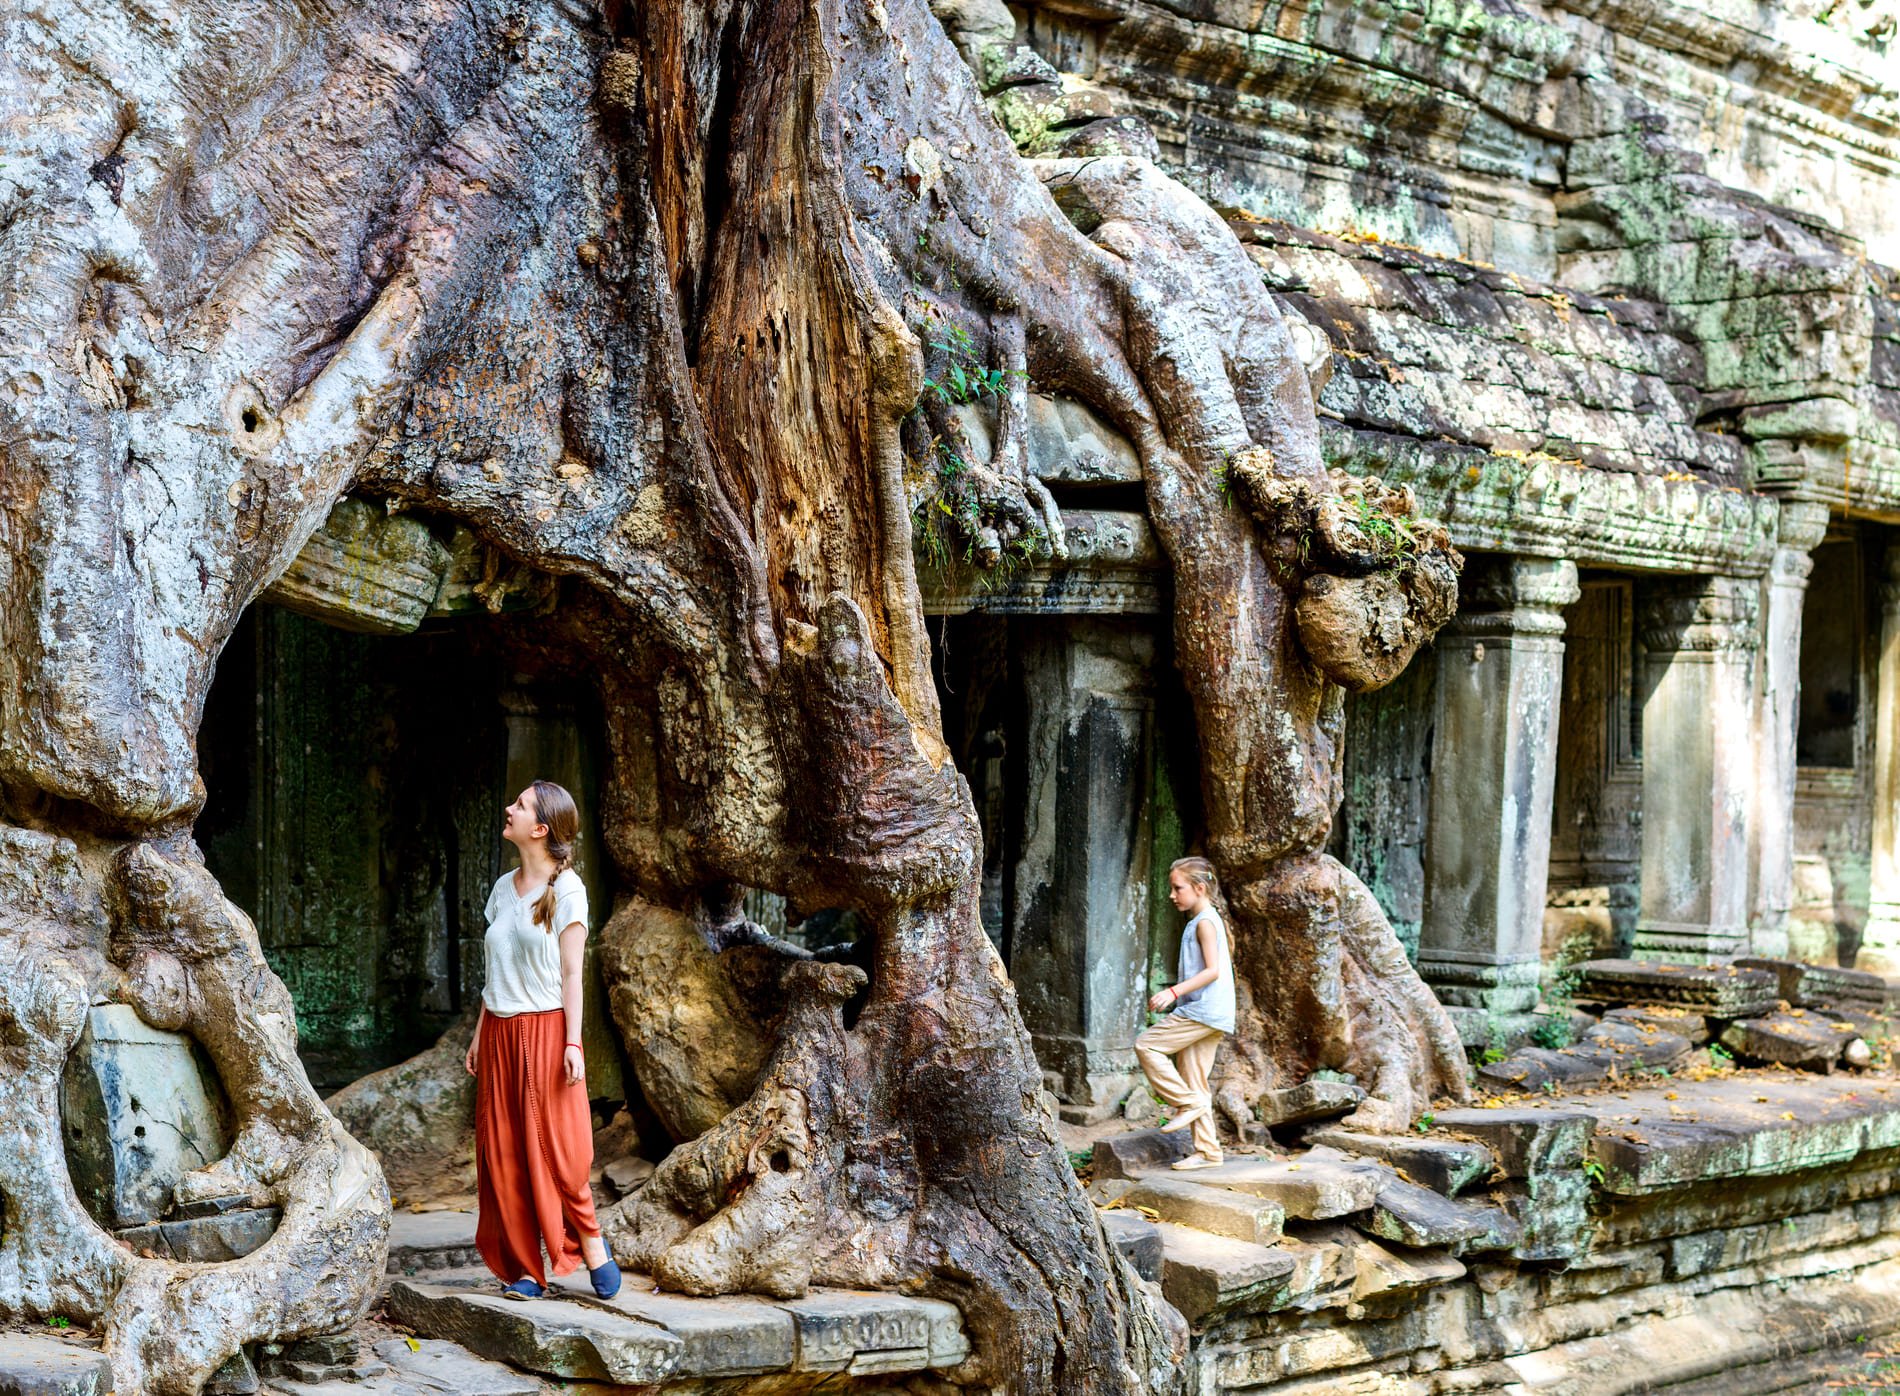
column 648, row 297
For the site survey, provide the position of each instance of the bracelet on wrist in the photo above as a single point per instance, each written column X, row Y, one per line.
column 573, row 1044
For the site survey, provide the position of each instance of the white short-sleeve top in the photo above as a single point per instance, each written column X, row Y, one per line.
column 522, row 957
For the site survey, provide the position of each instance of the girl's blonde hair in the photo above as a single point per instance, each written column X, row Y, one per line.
column 554, row 807
column 1198, row 871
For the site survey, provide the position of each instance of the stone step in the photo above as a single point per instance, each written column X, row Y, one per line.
column 1650, row 1017
column 431, row 1368
column 557, row 1338
column 1823, row 986
column 1526, row 1142
column 34, row 1366
column 1444, row 1165
column 1138, row 1151
column 1310, row 1100
column 1204, row 1275
column 1795, row 1038
column 1221, row 1211
column 1422, row 1219
column 442, row 1240
column 1316, row 1186
column 572, row 1333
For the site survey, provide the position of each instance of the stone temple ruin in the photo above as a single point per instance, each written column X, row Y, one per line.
column 1609, row 291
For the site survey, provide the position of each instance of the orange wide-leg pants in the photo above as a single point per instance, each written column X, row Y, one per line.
column 534, row 1147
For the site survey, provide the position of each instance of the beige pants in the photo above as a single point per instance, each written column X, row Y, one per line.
column 1177, row 1053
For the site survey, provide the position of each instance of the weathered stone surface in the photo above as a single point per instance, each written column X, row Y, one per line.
column 1823, row 986
column 35, row 1366
column 1552, row 1211
column 365, row 569
column 850, row 1331
column 1719, row 991
column 419, row 1118
column 140, row 1111
column 1204, row 1275
column 237, row 1377
column 1524, row 1143
column 554, row 1337
column 1136, row 1240
column 1448, row 1166
column 1138, row 1151
column 1610, row 1048
column 1792, row 1039
column 226, row 1236
column 1742, row 1126
column 627, row 1173
column 1315, row 1186
column 435, row 1365
column 439, row 1240
column 1679, row 1022
column 721, row 1337
column 1218, row 1210
column 1310, row 1100
column 1419, row 1217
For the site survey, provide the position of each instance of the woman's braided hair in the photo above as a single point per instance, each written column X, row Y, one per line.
column 554, row 807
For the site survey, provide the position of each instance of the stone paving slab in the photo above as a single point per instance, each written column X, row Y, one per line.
column 1220, row 1211
column 1752, row 1125
column 554, row 1337
column 1204, row 1275
column 34, row 1366
column 574, row 1334
column 1720, row 991
column 1448, row 1166
column 1316, row 1186
column 1422, row 1219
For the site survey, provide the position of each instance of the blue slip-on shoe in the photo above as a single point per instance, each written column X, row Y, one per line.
column 523, row 1288
column 606, row 1279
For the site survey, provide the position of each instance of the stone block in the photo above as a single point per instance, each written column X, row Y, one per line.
column 141, row 1108
column 1680, row 1022
column 1524, row 1143
column 627, row 1174
column 553, row 1337
column 1138, row 1151
column 206, row 1240
column 1310, row 1100
column 1221, row 1211
column 441, row 1240
column 34, row 1366
column 1630, row 1045
column 1552, row 1211
column 1135, row 1239
column 434, row 1365
column 1314, row 1187
column 1823, row 986
column 236, row 1377
column 1204, row 1275
column 1420, row 1218
column 365, row 569
column 836, row 1328
column 1534, row 1068
column 1718, row 991
column 728, row 1336
column 1793, row 1038
column 1448, row 1166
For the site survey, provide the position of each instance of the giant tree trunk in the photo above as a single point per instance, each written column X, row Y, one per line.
column 651, row 297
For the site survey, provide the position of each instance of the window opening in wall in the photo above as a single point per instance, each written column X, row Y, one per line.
column 1829, row 712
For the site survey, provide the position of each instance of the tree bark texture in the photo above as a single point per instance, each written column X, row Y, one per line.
column 652, row 298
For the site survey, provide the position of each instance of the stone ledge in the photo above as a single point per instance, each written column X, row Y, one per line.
column 644, row 1336
column 34, row 1366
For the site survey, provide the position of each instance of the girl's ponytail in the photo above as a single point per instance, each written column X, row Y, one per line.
column 554, row 807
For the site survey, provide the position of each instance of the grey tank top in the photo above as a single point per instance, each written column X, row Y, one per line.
column 1213, row 1005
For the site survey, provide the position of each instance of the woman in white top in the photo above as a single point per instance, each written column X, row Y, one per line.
column 534, row 1142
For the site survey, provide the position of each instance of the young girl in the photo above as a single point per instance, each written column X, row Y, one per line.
column 1177, row 1052
column 534, row 1142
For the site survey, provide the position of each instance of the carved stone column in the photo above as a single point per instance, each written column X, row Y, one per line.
column 1494, row 762
column 1079, row 933
column 1777, row 711
column 1880, row 944
column 1701, row 634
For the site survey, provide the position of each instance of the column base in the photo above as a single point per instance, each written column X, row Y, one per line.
column 1880, row 942
column 1769, row 940
column 1507, row 988
column 1676, row 943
